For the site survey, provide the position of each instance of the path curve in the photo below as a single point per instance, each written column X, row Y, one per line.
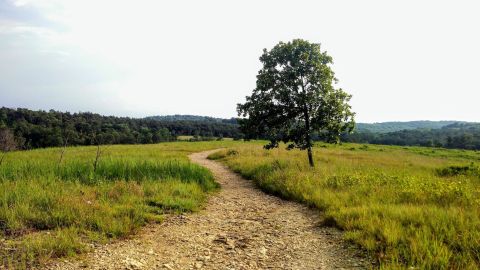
column 240, row 228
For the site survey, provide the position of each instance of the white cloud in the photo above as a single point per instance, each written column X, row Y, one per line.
column 403, row 60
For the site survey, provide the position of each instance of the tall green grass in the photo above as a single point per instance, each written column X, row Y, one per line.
column 409, row 207
column 52, row 209
column 107, row 171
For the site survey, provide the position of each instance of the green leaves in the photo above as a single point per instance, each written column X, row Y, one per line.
column 295, row 97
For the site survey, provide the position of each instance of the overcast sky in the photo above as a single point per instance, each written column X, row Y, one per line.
column 401, row 60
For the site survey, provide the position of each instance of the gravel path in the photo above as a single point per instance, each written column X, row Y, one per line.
column 240, row 228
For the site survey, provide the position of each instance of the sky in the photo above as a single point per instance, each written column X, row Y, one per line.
column 401, row 60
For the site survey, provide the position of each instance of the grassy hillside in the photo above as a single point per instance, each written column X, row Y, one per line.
column 410, row 207
column 50, row 209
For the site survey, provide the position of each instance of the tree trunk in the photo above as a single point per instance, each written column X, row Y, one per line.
column 306, row 115
column 310, row 156
column 308, row 139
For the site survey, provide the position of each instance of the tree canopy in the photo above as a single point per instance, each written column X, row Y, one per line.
column 295, row 97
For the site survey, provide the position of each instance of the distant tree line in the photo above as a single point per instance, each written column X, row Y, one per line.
column 386, row 127
column 193, row 118
column 27, row 129
column 457, row 135
column 36, row 129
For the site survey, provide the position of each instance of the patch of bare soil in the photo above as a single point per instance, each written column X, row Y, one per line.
column 240, row 228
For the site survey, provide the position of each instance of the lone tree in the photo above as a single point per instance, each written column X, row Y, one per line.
column 295, row 97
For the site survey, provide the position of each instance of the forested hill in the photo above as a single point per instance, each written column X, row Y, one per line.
column 386, row 127
column 34, row 129
column 192, row 118
column 459, row 135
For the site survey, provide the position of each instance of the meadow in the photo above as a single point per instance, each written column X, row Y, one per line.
column 409, row 207
column 55, row 205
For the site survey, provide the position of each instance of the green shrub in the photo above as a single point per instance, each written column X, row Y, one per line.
column 455, row 170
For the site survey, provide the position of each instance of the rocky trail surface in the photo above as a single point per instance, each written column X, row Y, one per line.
column 240, row 228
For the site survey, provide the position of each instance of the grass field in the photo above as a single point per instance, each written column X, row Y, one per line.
column 409, row 207
column 50, row 209
column 184, row 138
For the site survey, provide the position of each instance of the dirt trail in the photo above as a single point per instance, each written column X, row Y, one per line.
column 240, row 228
